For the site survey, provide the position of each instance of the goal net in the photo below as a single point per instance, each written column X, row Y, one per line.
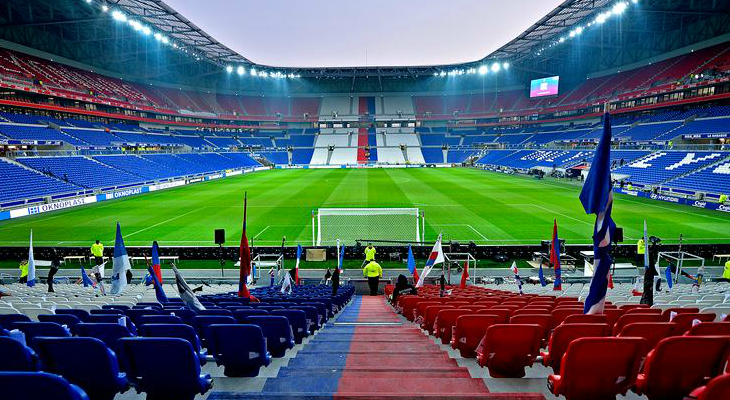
column 352, row 224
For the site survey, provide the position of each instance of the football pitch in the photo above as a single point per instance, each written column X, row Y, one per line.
column 463, row 204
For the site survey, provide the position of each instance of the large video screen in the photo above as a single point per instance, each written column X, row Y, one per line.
column 544, row 87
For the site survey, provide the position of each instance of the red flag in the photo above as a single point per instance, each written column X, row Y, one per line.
column 464, row 275
column 610, row 281
column 245, row 256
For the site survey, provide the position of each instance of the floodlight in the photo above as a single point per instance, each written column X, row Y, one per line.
column 619, row 8
column 435, row 74
column 119, row 16
column 602, row 17
column 158, row 36
column 240, row 70
column 229, row 69
column 505, row 65
column 88, row 1
column 263, row 74
column 483, row 70
column 442, row 73
column 495, row 67
column 253, row 71
column 146, row 30
column 104, row 8
column 165, row 40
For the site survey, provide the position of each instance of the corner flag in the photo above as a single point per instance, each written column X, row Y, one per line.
column 245, row 256
column 31, row 263
column 436, row 257
column 555, row 257
column 154, row 274
column 411, row 262
column 597, row 198
column 120, row 264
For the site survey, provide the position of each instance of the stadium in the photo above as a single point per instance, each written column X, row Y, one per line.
column 382, row 200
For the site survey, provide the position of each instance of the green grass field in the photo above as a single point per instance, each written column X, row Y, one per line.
column 464, row 204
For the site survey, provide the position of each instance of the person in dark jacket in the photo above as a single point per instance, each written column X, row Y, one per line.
column 403, row 287
column 335, row 281
column 55, row 265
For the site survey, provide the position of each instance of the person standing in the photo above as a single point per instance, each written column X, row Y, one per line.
column 369, row 253
column 23, row 271
column 97, row 250
column 402, row 287
column 726, row 272
column 723, row 198
column 335, row 281
column 55, row 265
column 640, row 251
column 373, row 272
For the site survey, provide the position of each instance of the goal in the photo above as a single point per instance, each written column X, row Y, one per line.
column 352, row 224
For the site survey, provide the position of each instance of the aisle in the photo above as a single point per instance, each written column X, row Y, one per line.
column 368, row 353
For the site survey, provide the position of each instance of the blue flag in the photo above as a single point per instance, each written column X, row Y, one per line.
column 120, row 264
column 342, row 258
column 85, row 278
column 412, row 264
column 668, row 275
column 597, row 198
column 540, row 275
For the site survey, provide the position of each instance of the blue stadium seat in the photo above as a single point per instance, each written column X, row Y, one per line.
column 16, row 356
column 242, row 315
column 82, row 315
column 108, row 311
column 312, row 317
column 159, row 319
column 185, row 314
column 115, row 307
column 7, row 320
column 164, row 368
column 201, row 323
column 277, row 331
column 107, row 333
column 112, row 319
column 181, row 331
column 216, row 311
column 38, row 385
column 297, row 320
column 36, row 329
column 240, row 348
column 85, row 362
column 135, row 313
column 62, row 319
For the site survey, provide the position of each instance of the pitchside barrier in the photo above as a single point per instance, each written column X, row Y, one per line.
column 351, row 224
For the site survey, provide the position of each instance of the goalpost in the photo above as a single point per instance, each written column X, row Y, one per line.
column 352, row 224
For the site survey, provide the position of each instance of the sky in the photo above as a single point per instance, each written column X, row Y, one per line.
column 348, row 33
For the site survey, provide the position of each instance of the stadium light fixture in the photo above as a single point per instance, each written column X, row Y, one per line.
column 483, row 70
column 240, row 70
column 104, row 8
column 158, row 36
column 229, row 69
column 88, row 1
column 495, row 67
column 254, row 72
column 146, row 30
column 442, row 73
column 119, row 16
column 165, row 40
column 505, row 65
column 619, row 8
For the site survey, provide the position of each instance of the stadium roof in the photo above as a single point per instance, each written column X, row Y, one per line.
column 176, row 51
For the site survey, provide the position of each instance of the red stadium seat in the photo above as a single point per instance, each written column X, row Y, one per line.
column 597, row 368
column 420, row 309
column 710, row 329
column 585, row 319
column 469, row 331
column 612, row 315
column 684, row 321
column 631, row 318
column 717, row 388
column 540, row 319
column 503, row 315
column 627, row 307
column 430, row 316
column 668, row 312
column 566, row 333
column 526, row 310
column 643, row 310
column 653, row 332
column 445, row 321
column 560, row 314
column 679, row 364
column 506, row 349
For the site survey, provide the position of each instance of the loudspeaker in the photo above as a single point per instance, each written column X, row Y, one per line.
column 220, row 236
column 618, row 235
